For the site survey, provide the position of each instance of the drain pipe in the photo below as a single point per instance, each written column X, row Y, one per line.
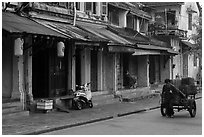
column 74, row 14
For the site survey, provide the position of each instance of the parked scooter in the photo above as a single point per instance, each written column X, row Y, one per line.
column 82, row 97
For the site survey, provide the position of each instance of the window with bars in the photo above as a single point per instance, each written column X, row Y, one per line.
column 63, row 4
column 90, row 7
column 190, row 21
column 104, row 8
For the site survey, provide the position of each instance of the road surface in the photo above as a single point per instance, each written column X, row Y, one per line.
column 144, row 123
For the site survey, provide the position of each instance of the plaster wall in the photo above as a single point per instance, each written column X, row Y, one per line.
column 192, row 70
column 183, row 18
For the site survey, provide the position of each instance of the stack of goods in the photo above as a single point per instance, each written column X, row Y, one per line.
column 188, row 86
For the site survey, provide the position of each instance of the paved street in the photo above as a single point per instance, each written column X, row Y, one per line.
column 144, row 123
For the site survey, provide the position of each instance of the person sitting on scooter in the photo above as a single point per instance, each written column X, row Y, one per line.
column 170, row 91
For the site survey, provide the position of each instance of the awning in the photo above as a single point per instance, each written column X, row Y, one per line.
column 121, row 49
column 130, row 34
column 172, row 52
column 17, row 24
column 71, row 31
column 151, row 47
column 139, row 52
column 163, row 50
column 187, row 43
column 101, row 31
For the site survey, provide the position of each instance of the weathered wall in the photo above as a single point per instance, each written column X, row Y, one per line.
column 122, row 18
column 177, row 59
column 192, row 70
column 183, row 19
column 143, row 71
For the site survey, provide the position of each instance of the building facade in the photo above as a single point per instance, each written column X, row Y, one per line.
column 173, row 22
column 71, row 43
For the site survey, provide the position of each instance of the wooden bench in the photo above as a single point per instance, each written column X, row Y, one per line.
column 65, row 99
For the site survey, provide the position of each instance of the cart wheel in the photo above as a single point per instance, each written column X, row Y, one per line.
column 192, row 109
column 163, row 110
column 78, row 105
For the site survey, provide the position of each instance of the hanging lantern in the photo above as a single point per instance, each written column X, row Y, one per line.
column 18, row 47
column 60, row 49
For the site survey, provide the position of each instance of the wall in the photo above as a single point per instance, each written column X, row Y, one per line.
column 143, row 71
column 183, row 20
column 192, row 70
column 122, row 18
column 177, row 59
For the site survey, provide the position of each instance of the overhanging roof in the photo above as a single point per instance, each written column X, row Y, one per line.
column 187, row 43
column 71, row 31
column 130, row 34
column 13, row 23
column 139, row 52
column 160, row 4
column 101, row 31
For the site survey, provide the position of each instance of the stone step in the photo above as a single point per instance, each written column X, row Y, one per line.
column 104, row 99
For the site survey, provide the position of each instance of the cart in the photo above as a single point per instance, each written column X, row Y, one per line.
column 182, row 103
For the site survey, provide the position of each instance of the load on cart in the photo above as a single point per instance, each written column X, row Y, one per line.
column 178, row 95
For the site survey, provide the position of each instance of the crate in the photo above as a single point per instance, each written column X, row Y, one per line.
column 45, row 104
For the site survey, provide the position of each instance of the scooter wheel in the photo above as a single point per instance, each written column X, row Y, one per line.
column 78, row 105
column 90, row 104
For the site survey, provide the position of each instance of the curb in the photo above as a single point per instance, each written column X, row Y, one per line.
column 92, row 121
column 68, row 126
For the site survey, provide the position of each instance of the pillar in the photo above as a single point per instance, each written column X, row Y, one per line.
column 100, row 71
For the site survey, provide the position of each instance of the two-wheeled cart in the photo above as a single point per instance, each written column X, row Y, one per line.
column 182, row 103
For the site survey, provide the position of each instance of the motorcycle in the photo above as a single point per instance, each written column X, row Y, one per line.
column 82, row 97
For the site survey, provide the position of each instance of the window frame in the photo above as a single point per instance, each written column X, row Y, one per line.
column 190, row 26
column 104, row 4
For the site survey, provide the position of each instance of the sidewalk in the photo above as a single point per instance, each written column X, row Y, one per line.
column 36, row 123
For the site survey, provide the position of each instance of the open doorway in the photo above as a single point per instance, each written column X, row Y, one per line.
column 94, row 70
column 48, row 70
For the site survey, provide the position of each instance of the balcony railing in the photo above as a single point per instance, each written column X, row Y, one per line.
column 170, row 30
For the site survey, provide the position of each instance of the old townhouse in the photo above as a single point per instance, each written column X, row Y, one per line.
column 173, row 23
column 50, row 47
column 150, row 61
